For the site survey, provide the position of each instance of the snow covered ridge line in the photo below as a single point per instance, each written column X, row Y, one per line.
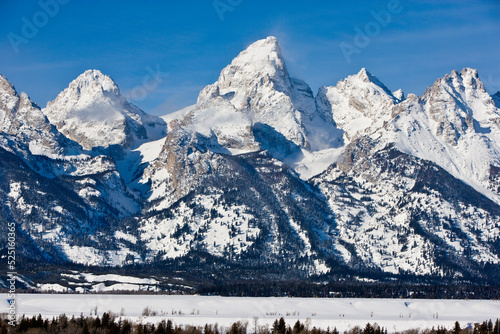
column 260, row 173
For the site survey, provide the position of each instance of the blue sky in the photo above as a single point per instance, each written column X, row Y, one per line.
column 185, row 44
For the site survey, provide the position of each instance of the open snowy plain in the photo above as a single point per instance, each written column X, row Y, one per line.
column 394, row 314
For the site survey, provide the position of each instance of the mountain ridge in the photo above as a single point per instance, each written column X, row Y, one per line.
column 261, row 171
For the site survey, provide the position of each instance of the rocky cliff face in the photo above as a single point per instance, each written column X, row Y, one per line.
column 22, row 119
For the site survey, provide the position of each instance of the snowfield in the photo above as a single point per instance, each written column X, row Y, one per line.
column 394, row 314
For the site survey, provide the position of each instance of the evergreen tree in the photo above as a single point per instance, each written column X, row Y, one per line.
column 162, row 328
column 106, row 320
column 170, row 327
column 126, row 327
column 238, row 328
column 297, row 328
column 281, row 326
column 457, row 329
column 369, row 329
column 97, row 322
column 275, row 326
column 85, row 329
column 496, row 330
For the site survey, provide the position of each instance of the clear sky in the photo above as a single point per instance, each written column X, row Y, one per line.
column 185, row 44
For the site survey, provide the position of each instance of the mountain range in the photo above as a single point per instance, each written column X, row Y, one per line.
column 355, row 180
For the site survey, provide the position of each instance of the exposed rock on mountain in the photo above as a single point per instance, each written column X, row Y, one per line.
column 257, row 89
column 22, row 119
column 359, row 104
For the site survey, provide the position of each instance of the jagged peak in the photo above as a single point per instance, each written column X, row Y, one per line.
column 90, row 87
column 412, row 96
column 399, row 94
column 365, row 76
column 26, row 100
column 266, row 48
column 261, row 55
column 465, row 84
column 94, row 81
column 6, row 87
column 3, row 78
column 467, row 77
column 466, row 72
column 469, row 71
column 94, row 98
column 454, row 74
column 259, row 64
column 11, row 97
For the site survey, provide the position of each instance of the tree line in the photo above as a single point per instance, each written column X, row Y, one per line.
column 111, row 324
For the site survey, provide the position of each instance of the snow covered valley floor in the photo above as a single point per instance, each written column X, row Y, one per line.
column 394, row 314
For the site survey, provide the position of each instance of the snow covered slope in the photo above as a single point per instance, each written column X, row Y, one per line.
column 61, row 197
column 358, row 104
column 456, row 125
column 92, row 112
column 395, row 204
column 255, row 93
column 402, row 214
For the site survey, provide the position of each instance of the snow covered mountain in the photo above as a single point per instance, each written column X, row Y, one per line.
column 456, row 125
column 92, row 112
column 419, row 174
column 255, row 97
column 356, row 179
column 358, row 104
column 61, row 197
column 23, row 120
